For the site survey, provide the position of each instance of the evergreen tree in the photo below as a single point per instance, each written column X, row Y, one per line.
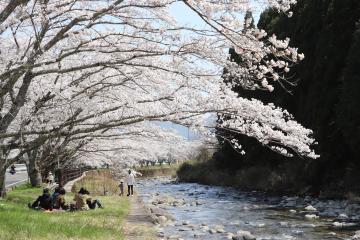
column 325, row 100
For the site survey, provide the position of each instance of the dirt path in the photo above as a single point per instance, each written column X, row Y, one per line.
column 138, row 224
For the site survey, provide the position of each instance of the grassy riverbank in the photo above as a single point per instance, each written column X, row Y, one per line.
column 19, row 222
column 159, row 170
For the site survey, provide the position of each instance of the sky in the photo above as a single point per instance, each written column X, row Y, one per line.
column 185, row 16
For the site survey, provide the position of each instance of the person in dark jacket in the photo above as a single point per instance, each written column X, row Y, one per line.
column 55, row 194
column 59, row 202
column 43, row 202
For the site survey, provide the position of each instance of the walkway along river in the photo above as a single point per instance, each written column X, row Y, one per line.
column 193, row 211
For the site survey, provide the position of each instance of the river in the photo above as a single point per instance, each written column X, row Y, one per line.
column 204, row 212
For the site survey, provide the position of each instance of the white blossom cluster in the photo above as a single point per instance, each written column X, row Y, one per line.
column 73, row 71
column 144, row 142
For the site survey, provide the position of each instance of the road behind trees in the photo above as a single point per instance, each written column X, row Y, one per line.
column 20, row 175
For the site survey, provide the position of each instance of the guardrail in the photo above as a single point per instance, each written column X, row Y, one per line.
column 12, row 186
column 66, row 175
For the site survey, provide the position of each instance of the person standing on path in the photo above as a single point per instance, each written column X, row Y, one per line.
column 121, row 186
column 50, row 178
column 130, row 180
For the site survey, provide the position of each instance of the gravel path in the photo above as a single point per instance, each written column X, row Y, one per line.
column 138, row 224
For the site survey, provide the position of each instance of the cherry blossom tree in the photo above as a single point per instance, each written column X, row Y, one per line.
column 74, row 71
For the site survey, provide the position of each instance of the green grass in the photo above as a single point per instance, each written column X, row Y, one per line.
column 19, row 222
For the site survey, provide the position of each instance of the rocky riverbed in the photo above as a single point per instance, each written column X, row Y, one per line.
column 193, row 211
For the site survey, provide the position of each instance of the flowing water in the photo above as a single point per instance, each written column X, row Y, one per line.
column 199, row 211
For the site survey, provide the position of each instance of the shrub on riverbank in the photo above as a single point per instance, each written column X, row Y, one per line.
column 282, row 180
column 261, row 178
column 98, row 182
column 19, row 222
column 203, row 172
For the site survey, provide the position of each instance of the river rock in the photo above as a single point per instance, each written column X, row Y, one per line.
column 284, row 224
column 205, row 228
column 343, row 224
column 160, row 212
column 297, row 232
column 357, row 235
column 183, row 229
column 256, row 224
column 243, row 235
column 230, row 235
column 185, row 223
column 310, row 208
column 212, row 231
column 311, row 216
column 292, row 211
column 343, row 217
column 219, row 229
column 174, row 237
column 162, row 220
column 199, row 202
column 199, row 235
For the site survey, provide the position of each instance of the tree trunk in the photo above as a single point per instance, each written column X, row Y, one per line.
column 2, row 178
column 34, row 170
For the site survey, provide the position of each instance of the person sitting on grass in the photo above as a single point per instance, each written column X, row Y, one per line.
column 80, row 200
column 59, row 203
column 43, row 202
column 84, row 202
column 55, row 194
column 91, row 204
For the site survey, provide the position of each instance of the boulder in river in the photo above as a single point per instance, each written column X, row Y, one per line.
column 185, row 223
column 243, row 235
column 356, row 236
column 343, row 224
column 230, row 235
column 310, row 208
column 219, row 229
column 174, row 237
column 311, row 216
column 199, row 202
column 162, row 220
column 343, row 217
column 161, row 216
column 212, row 231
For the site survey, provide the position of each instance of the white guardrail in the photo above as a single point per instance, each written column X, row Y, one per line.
column 12, row 185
